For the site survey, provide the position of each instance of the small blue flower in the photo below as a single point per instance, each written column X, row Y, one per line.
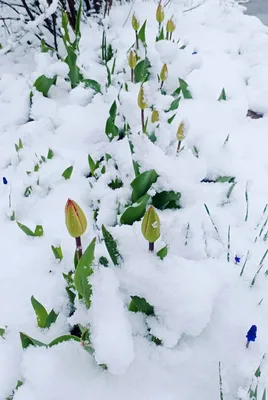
column 5, row 181
column 237, row 259
column 252, row 334
column 195, row 52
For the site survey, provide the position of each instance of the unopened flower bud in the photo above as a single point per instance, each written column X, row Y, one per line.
column 160, row 15
column 132, row 59
column 150, row 226
column 164, row 73
column 135, row 23
column 155, row 116
column 141, row 100
column 181, row 132
column 170, row 26
column 75, row 219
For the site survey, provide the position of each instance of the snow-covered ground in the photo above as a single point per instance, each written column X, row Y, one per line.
column 203, row 307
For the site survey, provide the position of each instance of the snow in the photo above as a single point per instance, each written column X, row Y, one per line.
column 203, row 307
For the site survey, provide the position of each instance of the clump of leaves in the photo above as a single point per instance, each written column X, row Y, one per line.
column 44, row 319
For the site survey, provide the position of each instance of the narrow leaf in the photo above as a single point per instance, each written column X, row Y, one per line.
column 64, row 338
column 68, row 172
column 111, row 246
column 184, row 89
column 57, row 251
column 139, row 304
column 162, row 253
column 27, row 341
column 25, row 229
column 40, row 311
column 141, row 34
column 51, row 318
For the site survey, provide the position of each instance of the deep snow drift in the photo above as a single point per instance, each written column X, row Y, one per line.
column 203, row 306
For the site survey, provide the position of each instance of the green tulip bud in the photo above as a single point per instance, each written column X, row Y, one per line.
column 181, row 132
column 75, row 219
column 155, row 116
column 132, row 59
column 150, row 226
column 141, row 100
column 164, row 73
column 160, row 15
column 135, row 23
column 170, row 27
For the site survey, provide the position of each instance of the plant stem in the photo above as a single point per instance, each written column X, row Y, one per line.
column 161, row 85
column 151, row 247
column 170, row 36
column 79, row 249
column 179, row 146
column 137, row 40
column 142, row 121
column 132, row 75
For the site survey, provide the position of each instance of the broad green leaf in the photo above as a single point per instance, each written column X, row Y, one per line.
column 63, row 338
column 74, row 71
column 171, row 119
column 27, row 341
column 141, row 71
column 40, row 311
column 222, row 95
column 90, row 83
column 139, row 304
column 68, row 172
column 43, row 84
column 142, row 183
column 2, row 332
column 25, row 229
column 166, row 200
column 39, row 231
column 83, row 271
column 162, row 253
column 174, row 105
column 111, row 246
column 184, row 88
column 141, row 34
column 57, row 251
column 92, row 165
column 50, row 154
column 135, row 212
column 51, row 318
column 111, row 129
column 224, row 179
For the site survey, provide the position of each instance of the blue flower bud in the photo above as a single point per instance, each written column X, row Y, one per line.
column 237, row 259
column 5, row 181
column 252, row 334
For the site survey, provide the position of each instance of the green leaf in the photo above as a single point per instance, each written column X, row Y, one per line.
column 92, row 165
column 68, row 172
column 43, row 84
column 39, row 231
column 222, row 95
column 90, row 83
column 83, row 271
column 224, row 179
column 63, row 338
column 141, row 71
column 103, row 261
column 184, row 88
column 111, row 246
column 71, row 295
column 28, row 191
column 174, row 105
column 51, row 318
column 171, row 119
column 162, row 253
column 111, row 129
column 78, row 21
column 27, row 341
column 264, row 395
column 50, row 154
column 139, row 304
column 141, row 34
column 2, row 332
column 74, row 71
column 166, row 200
column 115, row 184
column 135, row 212
column 40, row 311
column 25, row 229
column 57, row 251
column 161, row 35
column 142, row 183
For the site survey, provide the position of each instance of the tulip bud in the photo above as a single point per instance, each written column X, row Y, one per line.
column 75, row 219
column 141, row 100
column 150, row 226
column 132, row 59
column 155, row 116
column 170, row 28
column 160, row 15
column 182, row 131
column 164, row 73
column 135, row 23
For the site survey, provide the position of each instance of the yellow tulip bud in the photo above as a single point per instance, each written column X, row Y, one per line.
column 181, row 132
column 164, row 73
column 141, row 100
column 155, row 116
column 132, row 59
column 150, row 226
column 75, row 219
column 170, row 26
column 160, row 15
column 135, row 23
